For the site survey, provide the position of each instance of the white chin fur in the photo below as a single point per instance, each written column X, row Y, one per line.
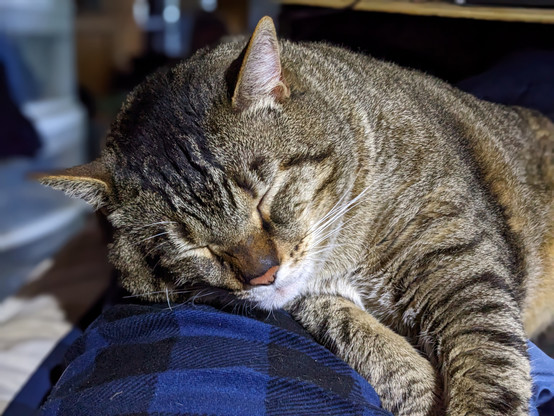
column 291, row 283
column 288, row 285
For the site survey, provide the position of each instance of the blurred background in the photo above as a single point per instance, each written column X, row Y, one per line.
column 66, row 66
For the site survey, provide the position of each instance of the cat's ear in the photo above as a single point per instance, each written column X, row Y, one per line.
column 260, row 77
column 89, row 182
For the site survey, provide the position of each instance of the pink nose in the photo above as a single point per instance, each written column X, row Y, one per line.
column 265, row 279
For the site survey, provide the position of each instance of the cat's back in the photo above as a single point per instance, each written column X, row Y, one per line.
column 512, row 146
column 408, row 112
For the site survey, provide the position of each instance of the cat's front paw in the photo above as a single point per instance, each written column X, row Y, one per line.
column 405, row 381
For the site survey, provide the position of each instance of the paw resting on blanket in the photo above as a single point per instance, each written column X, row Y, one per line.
column 406, row 381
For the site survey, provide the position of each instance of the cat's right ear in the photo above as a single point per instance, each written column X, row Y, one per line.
column 260, row 78
column 90, row 182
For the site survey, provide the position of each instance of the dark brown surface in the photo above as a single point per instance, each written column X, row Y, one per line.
column 545, row 341
column 80, row 274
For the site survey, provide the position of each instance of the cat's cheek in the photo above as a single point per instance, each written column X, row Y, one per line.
column 204, row 270
column 226, row 279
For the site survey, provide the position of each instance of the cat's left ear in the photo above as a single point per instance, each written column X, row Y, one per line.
column 260, row 79
column 90, row 182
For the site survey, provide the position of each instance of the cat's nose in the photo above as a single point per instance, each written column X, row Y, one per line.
column 256, row 258
column 261, row 269
column 265, row 279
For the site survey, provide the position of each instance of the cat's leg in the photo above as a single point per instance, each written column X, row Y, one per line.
column 404, row 380
column 473, row 332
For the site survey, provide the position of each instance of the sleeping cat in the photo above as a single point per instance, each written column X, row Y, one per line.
column 407, row 225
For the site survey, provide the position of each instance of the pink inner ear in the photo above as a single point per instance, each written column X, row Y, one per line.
column 261, row 75
column 263, row 69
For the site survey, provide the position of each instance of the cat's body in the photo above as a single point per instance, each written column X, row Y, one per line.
column 382, row 207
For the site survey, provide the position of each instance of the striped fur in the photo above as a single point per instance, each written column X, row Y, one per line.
column 413, row 223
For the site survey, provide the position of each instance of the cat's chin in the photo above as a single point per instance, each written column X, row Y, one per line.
column 288, row 285
column 271, row 297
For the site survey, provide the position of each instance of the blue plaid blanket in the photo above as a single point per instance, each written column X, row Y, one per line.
column 197, row 360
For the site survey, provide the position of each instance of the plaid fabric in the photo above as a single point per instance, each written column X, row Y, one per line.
column 197, row 360
column 542, row 371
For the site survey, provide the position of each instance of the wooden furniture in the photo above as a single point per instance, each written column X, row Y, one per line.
column 436, row 8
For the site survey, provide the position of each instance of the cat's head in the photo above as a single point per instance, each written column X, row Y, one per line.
column 221, row 171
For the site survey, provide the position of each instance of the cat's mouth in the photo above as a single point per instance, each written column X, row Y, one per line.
column 288, row 284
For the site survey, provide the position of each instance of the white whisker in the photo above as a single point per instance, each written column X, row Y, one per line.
column 154, row 248
column 322, row 226
column 201, row 295
column 156, row 223
column 323, row 250
column 325, row 236
column 178, row 292
column 330, row 233
column 143, row 294
column 154, row 236
column 198, row 295
column 228, row 303
column 343, row 210
column 329, row 213
column 167, row 297
column 336, row 208
column 337, row 213
column 157, row 292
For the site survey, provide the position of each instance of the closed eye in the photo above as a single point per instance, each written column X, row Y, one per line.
column 247, row 185
column 179, row 241
column 263, row 208
column 267, row 199
column 194, row 249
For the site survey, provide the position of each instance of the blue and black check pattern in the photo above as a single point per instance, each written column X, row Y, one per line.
column 197, row 360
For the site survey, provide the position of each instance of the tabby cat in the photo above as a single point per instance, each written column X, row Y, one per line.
column 407, row 225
